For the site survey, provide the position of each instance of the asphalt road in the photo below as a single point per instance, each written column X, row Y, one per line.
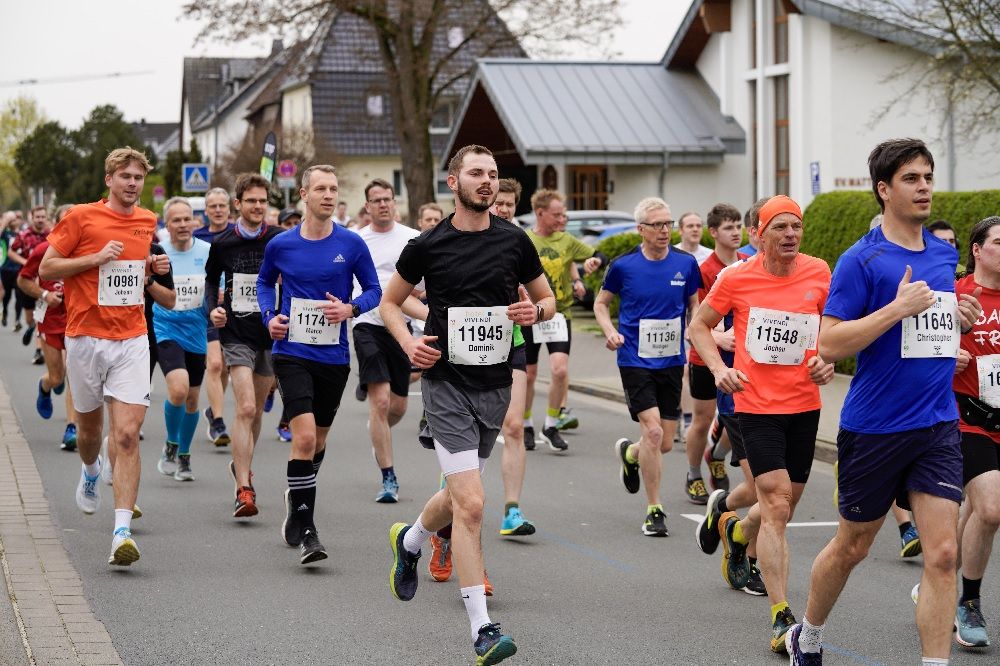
column 588, row 588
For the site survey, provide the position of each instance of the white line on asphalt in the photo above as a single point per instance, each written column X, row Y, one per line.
column 696, row 517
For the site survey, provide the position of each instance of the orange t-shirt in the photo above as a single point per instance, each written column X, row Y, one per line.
column 86, row 229
column 776, row 332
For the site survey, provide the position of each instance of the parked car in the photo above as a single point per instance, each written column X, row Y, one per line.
column 594, row 235
column 579, row 220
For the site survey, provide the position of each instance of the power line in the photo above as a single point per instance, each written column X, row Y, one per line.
column 72, row 79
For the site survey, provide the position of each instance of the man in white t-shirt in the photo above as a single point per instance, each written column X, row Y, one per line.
column 341, row 217
column 383, row 367
column 690, row 226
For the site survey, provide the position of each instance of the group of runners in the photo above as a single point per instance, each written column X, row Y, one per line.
column 464, row 306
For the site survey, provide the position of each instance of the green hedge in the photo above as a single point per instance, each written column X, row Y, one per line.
column 835, row 220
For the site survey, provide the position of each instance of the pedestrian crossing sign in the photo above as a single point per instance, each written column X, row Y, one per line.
column 194, row 177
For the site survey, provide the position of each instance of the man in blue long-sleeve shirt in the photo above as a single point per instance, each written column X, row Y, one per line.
column 317, row 262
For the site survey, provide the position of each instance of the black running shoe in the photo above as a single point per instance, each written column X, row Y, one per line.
column 491, row 646
column 629, row 470
column 361, row 392
column 37, row 359
column 782, row 623
column 707, row 532
column 755, row 585
column 656, row 524
column 403, row 576
column 29, row 333
column 529, row 438
column 291, row 531
column 311, row 550
column 555, row 440
column 695, row 489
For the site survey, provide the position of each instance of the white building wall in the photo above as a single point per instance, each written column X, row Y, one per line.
column 632, row 184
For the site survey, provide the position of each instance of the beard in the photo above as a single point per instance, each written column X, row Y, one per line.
column 474, row 204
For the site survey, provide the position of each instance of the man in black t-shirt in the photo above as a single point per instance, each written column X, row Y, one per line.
column 472, row 264
column 246, row 344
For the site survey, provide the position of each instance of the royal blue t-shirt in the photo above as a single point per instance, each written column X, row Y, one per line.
column 724, row 402
column 748, row 250
column 186, row 323
column 309, row 269
column 889, row 393
column 651, row 290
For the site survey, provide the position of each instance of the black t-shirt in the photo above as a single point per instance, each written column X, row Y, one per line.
column 468, row 269
column 165, row 280
column 231, row 254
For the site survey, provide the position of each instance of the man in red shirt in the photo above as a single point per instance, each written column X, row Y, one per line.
column 20, row 249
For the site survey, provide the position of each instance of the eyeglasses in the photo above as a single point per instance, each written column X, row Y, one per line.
column 383, row 200
column 254, row 202
column 657, row 226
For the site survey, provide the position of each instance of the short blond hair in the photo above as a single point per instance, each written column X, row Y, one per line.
column 543, row 197
column 323, row 168
column 647, row 206
column 119, row 158
column 429, row 206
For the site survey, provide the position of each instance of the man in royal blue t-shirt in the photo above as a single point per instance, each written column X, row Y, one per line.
column 892, row 303
column 658, row 289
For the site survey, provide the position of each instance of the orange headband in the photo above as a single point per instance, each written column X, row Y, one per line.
column 775, row 206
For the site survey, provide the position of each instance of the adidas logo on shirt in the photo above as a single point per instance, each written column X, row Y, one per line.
column 339, row 259
column 678, row 280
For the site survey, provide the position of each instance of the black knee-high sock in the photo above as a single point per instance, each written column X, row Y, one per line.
column 318, row 460
column 302, row 487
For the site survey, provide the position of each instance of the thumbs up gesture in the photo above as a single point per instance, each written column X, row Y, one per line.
column 912, row 297
column 969, row 309
column 523, row 311
column 336, row 310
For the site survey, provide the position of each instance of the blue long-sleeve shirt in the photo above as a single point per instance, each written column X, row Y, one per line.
column 309, row 269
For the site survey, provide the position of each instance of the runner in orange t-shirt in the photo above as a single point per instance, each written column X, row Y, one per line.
column 777, row 300
column 101, row 253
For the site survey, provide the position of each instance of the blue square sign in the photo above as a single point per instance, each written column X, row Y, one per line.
column 194, row 177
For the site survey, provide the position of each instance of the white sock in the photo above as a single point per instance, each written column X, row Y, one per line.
column 123, row 518
column 475, row 605
column 934, row 661
column 811, row 636
column 550, row 421
column 416, row 537
column 93, row 469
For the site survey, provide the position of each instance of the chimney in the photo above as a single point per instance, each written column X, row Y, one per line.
column 277, row 46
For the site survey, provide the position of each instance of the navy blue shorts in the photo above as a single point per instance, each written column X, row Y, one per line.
column 875, row 470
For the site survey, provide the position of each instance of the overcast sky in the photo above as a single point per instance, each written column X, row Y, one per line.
column 62, row 42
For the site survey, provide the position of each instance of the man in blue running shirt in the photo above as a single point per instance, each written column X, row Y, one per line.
column 892, row 303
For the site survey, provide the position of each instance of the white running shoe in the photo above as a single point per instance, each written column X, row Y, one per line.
column 124, row 550
column 106, row 468
column 915, row 593
column 88, row 495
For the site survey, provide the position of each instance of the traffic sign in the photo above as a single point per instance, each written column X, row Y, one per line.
column 286, row 183
column 814, row 177
column 159, row 194
column 287, row 169
column 194, row 177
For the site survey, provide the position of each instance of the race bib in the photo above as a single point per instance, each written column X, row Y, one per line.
column 776, row 337
column 553, row 330
column 190, row 290
column 308, row 325
column 479, row 336
column 121, row 283
column 245, row 292
column 933, row 333
column 41, row 307
column 659, row 338
column 988, row 368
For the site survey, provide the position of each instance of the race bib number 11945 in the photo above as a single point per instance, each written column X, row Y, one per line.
column 478, row 336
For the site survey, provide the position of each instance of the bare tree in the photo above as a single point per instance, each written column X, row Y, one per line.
column 409, row 35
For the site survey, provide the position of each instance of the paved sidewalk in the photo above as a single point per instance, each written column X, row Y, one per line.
column 46, row 618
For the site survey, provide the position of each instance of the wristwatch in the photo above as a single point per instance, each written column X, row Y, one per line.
column 355, row 310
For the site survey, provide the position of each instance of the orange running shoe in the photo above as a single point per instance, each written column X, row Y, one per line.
column 246, row 503
column 487, row 584
column 439, row 564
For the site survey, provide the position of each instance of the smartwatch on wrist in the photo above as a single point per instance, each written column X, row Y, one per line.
column 355, row 310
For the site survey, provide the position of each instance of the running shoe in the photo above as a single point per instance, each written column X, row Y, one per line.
column 361, row 392
column 269, row 401
column 106, row 470
column 696, row 492
column 755, row 585
column 554, row 439
column 911, row 542
column 28, row 334
column 655, row 524
column 69, row 438
column 311, row 550
column 915, row 594
column 439, row 565
column 88, row 495
column 246, row 503
column 514, row 524
column 403, row 575
column 529, row 438
column 970, row 626
column 167, row 464
column 492, row 647
column 797, row 657
column 59, row 389
column 216, row 429
column 37, row 358
column 629, row 472
column 17, row 326
column 43, row 403
column 707, row 532
column 487, row 585
column 183, row 472
column 782, row 623
column 735, row 565
column 717, row 475
column 124, row 550
column 390, row 490
column 291, row 531
column 136, row 512
column 3, row 322
column 284, row 433
column 566, row 420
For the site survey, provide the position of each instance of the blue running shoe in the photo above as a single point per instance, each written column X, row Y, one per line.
column 284, row 434
column 970, row 626
column 43, row 403
column 514, row 524
column 911, row 542
column 69, row 438
column 797, row 657
column 269, row 401
column 492, row 647
column 403, row 576
column 390, row 491
column 59, row 389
